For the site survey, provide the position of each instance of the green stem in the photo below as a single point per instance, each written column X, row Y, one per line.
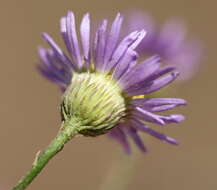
column 66, row 132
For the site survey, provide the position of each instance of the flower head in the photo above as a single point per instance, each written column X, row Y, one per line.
column 169, row 42
column 103, row 81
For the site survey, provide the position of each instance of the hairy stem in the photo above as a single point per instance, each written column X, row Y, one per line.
column 65, row 134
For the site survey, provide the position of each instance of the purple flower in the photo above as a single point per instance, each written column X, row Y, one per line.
column 169, row 42
column 110, row 76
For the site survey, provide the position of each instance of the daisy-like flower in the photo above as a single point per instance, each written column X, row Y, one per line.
column 169, row 42
column 102, row 81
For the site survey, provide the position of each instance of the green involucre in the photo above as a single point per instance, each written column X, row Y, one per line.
column 95, row 101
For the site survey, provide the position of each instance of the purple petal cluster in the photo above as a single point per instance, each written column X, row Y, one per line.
column 106, row 53
column 169, row 42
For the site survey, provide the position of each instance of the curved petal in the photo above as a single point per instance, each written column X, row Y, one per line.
column 132, row 132
column 131, row 41
column 142, row 127
column 118, row 134
column 154, row 85
column 57, row 50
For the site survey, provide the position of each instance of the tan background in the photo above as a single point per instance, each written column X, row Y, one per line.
column 29, row 105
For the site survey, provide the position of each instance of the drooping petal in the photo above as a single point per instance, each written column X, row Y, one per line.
column 147, row 116
column 132, row 132
column 142, row 127
column 118, row 134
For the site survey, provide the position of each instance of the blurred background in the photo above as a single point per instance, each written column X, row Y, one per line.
column 30, row 114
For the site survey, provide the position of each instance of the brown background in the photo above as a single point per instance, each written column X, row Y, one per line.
column 29, row 106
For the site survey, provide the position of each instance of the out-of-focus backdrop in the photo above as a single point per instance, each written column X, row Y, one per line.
column 30, row 114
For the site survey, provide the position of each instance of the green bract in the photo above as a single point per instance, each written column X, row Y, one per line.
column 95, row 101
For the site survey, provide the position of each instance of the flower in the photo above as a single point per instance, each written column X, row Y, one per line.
column 169, row 42
column 102, row 82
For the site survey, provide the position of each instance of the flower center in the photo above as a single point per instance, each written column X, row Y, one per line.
column 95, row 100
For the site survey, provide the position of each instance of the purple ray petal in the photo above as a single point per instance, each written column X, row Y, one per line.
column 47, row 57
column 73, row 40
column 176, row 118
column 155, row 85
column 124, row 64
column 50, row 76
column 57, row 50
column 131, row 41
column 43, row 56
column 118, row 134
column 162, row 108
column 159, row 73
column 136, row 138
column 63, row 30
column 99, row 45
column 159, row 83
column 159, row 101
column 149, row 80
column 85, row 37
column 140, row 72
column 140, row 126
column 58, row 65
column 113, row 37
column 158, row 104
column 147, row 116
